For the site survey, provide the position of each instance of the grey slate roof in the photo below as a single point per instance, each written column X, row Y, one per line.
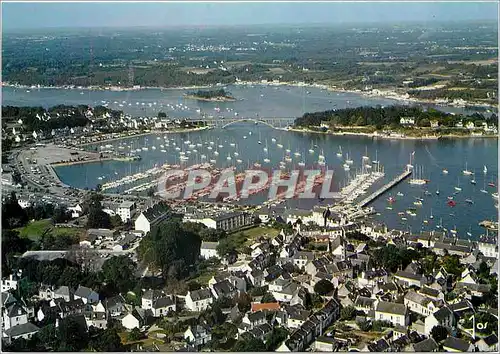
column 201, row 294
column 64, row 291
column 19, row 330
column 83, row 292
column 163, row 302
column 456, row 344
column 427, row 345
column 391, row 307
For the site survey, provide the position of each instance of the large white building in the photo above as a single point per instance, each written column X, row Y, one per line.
column 209, row 250
column 227, row 222
column 126, row 210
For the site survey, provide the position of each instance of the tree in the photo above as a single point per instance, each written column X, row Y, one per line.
column 323, row 287
column 97, row 218
column 107, row 340
column 250, row 345
column 212, row 235
column 439, row 333
column 134, row 335
column 244, row 302
column 267, row 298
column 451, row 264
column 12, row 214
column 171, row 248
column 120, row 271
column 72, row 336
column 116, row 221
column 347, row 313
column 277, row 336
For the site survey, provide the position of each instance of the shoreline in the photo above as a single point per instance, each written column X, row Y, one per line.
column 388, row 137
column 151, row 132
column 385, row 94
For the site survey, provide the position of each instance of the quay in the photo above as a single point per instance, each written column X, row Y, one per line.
column 385, row 188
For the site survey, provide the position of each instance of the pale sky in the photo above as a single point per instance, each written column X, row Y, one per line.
column 44, row 15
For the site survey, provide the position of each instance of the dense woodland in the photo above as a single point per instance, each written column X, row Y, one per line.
column 208, row 94
column 56, row 117
column 390, row 116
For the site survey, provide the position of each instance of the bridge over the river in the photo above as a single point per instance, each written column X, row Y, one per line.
column 273, row 122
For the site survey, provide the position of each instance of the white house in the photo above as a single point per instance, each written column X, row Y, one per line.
column 442, row 317
column 76, row 211
column 151, row 217
column 14, row 315
column 488, row 249
column 125, row 210
column 130, row 322
column 419, row 304
column 23, row 203
column 9, row 283
column 198, row 335
column 209, row 250
column 199, row 300
column 407, row 121
column 395, row 313
column 227, row 221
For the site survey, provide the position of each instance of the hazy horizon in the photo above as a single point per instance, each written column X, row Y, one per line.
column 39, row 16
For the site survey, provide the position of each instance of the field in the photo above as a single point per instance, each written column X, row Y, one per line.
column 34, row 230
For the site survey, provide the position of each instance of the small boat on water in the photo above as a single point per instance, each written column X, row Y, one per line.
column 339, row 153
column 346, row 167
column 399, row 194
column 468, row 200
column 457, row 187
column 391, row 200
column 473, row 181
column 491, row 184
column 485, row 170
column 495, row 196
column 445, row 171
column 437, row 192
column 418, row 202
column 467, row 172
column 451, row 203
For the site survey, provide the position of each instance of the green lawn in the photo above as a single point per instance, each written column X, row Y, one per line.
column 35, row 229
column 256, row 232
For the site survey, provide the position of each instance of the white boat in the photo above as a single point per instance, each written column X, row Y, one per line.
column 258, row 165
column 445, row 171
column 273, row 140
column 228, row 158
column 153, row 147
column 236, row 153
column 365, row 156
column 346, row 167
column 418, row 202
column 279, row 145
column 466, row 171
column 213, row 161
column 239, row 161
column 399, row 194
column 221, row 146
column 349, row 161
column 296, row 153
column 266, row 160
column 339, row 153
column 216, row 153
column 494, row 195
column 457, row 188
column 485, row 170
column 301, row 163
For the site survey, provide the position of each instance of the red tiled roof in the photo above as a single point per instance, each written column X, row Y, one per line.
column 271, row 306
